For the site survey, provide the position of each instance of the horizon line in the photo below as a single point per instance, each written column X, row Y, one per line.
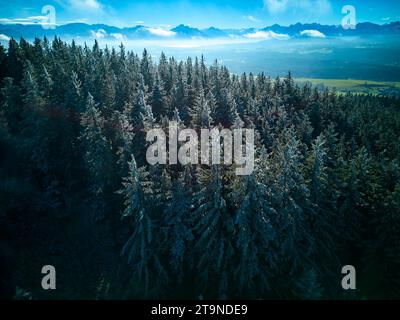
column 193, row 27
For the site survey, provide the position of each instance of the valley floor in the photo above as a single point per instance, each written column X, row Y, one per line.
column 355, row 86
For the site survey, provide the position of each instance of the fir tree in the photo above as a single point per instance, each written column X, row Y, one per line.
column 97, row 156
column 201, row 114
column 255, row 236
column 147, row 273
column 178, row 228
column 158, row 99
column 214, row 230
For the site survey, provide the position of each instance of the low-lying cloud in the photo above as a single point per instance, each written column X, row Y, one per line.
column 24, row 21
column 266, row 35
column 312, row 34
column 3, row 37
column 102, row 34
column 161, row 32
column 99, row 34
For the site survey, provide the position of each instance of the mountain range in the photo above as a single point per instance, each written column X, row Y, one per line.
column 276, row 31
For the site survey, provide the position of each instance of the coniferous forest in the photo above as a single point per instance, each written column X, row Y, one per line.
column 76, row 191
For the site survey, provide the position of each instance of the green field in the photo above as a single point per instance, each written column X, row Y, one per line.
column 355, row 86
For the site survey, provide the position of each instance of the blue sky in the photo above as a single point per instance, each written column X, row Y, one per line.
column 200, row 13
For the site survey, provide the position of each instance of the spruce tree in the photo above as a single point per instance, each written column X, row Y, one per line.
column 97, row 156
column 158, row 99
column 213, row 230
column 254, row 236
column 148, row 276
column 177, row 223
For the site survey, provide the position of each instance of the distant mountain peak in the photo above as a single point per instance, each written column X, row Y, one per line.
column 188, row 31
column 183, row 27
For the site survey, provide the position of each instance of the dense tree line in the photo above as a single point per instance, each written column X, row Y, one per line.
column 77, row 192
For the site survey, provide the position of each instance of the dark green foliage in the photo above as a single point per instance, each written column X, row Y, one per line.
column 141, row 250
column 177, row 223
column 214, row 229
column 76, row 188
column 254, row 236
